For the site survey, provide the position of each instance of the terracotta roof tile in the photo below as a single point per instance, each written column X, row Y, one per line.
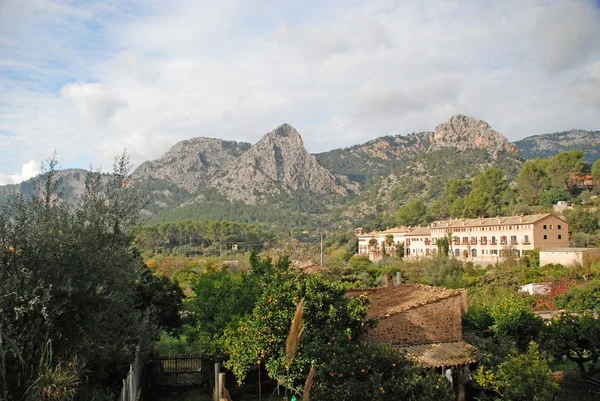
column 395, row 230
column 490, row 221
column 386, row 302
column 420, row 231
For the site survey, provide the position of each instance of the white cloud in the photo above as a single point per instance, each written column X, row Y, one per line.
column 28, row 170
column 93, row 101
column 92, row 78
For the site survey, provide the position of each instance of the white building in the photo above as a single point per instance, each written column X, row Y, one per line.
column 481, row 240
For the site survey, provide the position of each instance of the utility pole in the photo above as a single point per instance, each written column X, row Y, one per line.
column 321, row 247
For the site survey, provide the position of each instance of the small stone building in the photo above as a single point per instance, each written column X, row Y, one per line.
column 417, row 314
column 424, row 321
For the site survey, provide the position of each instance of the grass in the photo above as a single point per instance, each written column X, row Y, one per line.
column 169, row 345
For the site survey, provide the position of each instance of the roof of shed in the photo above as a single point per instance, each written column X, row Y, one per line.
column 441, row 354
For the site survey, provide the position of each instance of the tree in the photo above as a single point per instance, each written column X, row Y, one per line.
column 165, row 298
column 514, row 318
column 552, row 196
column 581, row 220
column 443, row 245
column 577, row 337
column 596, row 170
column 485, row 198
column 221, row 300
column 412, row 214
column 69, row 274
column 532, row 180
column 457, row 189
column 375, row 372
column 523, row 377
column 328, row 318
column 563, row 165
column 359, row 262
column 331, row 342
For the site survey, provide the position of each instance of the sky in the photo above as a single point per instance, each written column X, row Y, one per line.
column 88, row 79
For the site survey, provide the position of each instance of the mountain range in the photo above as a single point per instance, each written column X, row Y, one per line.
column 276, row 178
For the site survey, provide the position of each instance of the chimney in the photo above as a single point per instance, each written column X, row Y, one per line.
column 398, row 278
column 389, row 280
column 499, row 219
column 480, row 219
column 521, row 218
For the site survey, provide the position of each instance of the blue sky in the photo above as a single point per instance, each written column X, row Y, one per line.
column 90, row 78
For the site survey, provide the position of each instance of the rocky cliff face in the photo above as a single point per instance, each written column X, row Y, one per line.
column 278, row 164
column 192, row 163
column 462, row 132
column 72, row 185
column 547, row 145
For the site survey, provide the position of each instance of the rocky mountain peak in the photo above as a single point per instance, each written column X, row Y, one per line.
column 464, row 132
column 193, row 162
column 286, row 131
column 277, row 164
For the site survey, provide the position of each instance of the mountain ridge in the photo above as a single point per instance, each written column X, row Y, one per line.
column 211, row 174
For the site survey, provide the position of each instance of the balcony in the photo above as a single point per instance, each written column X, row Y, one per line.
column 483, row 241
column 526, row 242
column 465, row 241
column 473, row 241
column 434, row 241
column 456, row 241
column 426, row 241
column 407, row 241
column 503, row 242
column 493, row 242
column 514, row 242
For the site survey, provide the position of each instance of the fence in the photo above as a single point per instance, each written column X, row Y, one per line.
column 186, row 363
column 132, row 383
column 188, row 367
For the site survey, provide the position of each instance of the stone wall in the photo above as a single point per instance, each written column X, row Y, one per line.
column 435, row 322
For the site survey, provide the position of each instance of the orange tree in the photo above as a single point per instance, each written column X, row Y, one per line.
column 334, row 327
column 370, row 371
column 222, row 298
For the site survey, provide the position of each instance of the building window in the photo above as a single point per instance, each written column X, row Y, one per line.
column 560, row 227
column 559, row 236
column 457, row 253
column 545, row 227
column 526, row 239
column 474, row 253
column 551, row 226
column 545, row 236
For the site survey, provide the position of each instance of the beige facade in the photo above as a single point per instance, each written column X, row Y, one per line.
column 486, row 240
column 569, row 256
column 482, row 240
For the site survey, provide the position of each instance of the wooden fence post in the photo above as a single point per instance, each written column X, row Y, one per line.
column 176, row 370
column 221, row 385
column 216, row 391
